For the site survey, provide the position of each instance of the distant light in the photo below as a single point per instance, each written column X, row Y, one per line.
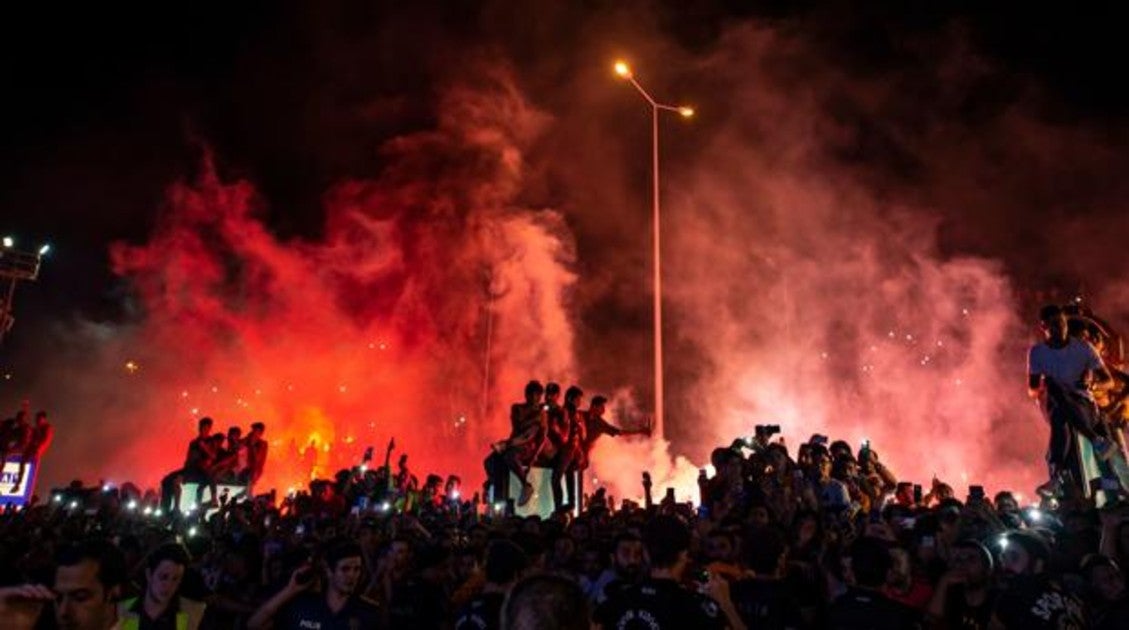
column 687, row 112
column 44, row 249
column 9, row 241
column 364, row 467
column 455, row 495
column 106, row 487
column 157, row 513
column 147, row 511
column 74, row 504
column 191, row 532
column 384, row 507
column 58, row 498
column 499, row 506
column 1003, row 542
column 622, row 69
column 132, row 505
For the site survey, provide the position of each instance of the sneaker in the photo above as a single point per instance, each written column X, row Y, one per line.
column 526, row 494
column 1103, row 449
column 1049, row 489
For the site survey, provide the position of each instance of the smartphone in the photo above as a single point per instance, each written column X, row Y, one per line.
column 669, row 495
column 304, row 576
column 917, row 493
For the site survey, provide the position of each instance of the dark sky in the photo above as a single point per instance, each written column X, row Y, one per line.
column 104, row 104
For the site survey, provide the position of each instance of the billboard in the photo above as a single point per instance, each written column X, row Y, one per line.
column 12, row 493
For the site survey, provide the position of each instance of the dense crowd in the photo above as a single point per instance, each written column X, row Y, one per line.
column 822, row 536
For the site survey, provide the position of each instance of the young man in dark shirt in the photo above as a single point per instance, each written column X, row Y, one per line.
column 505, row 562
column 199, row 459
column 567, row 432
column 528, row 429
column 338, row 606
column 863, row 606
column 764, row 600
column 1033, row 599
column 629, row 566
column 660, row 601
column 964, row 597
column 256, row 455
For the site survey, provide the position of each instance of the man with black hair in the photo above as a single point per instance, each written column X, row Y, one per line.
column 629, row 566
column 1033, row 599
column 505, row 563
column 964, row 597
column 528, row 431
column 546, row 602
column 162, row 606
column 256, row 455
column 297, row 607
column 1060, row 372
column 417, row 599
column 864, row 606
column 661, row 601
column 595, row 426
column 764, row 599
column 89, row 577
column 566, row 430
column 199, row 460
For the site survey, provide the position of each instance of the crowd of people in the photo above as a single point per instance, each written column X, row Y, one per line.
column 822, row 535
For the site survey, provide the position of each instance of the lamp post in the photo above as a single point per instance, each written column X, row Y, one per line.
column 624, row 71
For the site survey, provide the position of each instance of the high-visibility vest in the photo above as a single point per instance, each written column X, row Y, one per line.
column 132, row 620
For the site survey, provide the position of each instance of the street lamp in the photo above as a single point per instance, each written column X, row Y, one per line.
column 624, row 72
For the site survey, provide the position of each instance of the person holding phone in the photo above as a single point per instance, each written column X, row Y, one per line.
column 298, row 606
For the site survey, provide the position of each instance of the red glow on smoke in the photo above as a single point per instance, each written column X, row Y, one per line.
column 430, row 298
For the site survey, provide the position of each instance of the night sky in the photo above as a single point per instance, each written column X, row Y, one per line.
column 104, row 104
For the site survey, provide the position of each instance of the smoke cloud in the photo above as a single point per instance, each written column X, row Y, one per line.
column 851, row 245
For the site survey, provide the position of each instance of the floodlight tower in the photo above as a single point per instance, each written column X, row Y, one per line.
column 16, row 265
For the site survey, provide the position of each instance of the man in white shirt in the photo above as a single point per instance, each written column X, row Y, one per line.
column 1060, row 372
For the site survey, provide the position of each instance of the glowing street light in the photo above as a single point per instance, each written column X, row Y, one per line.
column 623, row 70
column 9, row 241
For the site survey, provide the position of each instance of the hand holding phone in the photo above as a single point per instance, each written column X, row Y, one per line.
column 302, row 578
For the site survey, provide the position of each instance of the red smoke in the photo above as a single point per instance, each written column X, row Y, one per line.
column 809, row 279
column 429, row 300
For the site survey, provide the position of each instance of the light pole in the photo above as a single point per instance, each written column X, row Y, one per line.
column 624, row 71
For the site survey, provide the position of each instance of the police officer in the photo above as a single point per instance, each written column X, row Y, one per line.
column 661, row 601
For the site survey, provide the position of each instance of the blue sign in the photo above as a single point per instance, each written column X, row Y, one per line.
column 12, row 493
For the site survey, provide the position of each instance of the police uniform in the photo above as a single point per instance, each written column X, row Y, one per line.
column 659, row 604
column 309, row 611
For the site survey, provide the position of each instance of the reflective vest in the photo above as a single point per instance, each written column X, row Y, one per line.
column 131, row 620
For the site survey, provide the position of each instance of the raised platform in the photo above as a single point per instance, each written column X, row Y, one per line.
column 188, row 495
